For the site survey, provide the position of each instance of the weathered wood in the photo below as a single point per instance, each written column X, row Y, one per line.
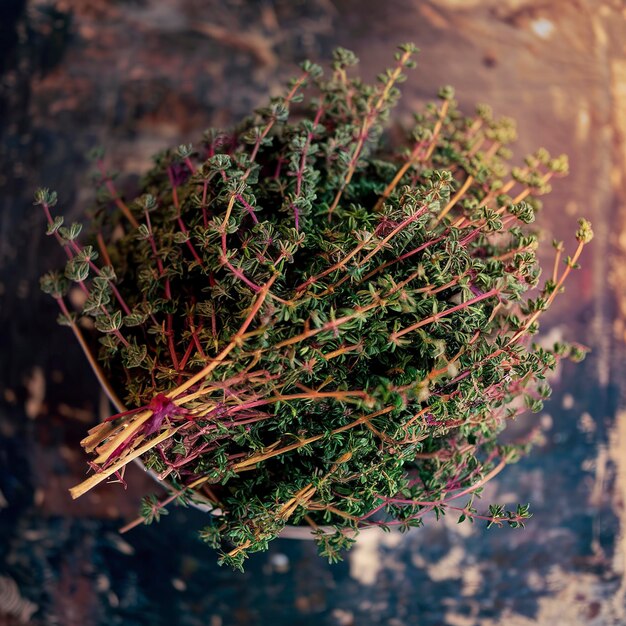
column 139, row 76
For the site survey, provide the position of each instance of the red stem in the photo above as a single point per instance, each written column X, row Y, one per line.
column 170, row 340
column 205, row 217
column 248, row 208
column 238, row 273
column 179, row 219
column 300, row 171
column 437, row 316
column 95, row 268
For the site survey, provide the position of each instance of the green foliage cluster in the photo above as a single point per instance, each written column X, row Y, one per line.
column 309, row 326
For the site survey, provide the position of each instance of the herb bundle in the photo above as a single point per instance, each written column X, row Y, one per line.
column 301, row 325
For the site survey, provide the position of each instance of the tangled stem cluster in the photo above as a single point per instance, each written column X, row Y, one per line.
column 301, row 325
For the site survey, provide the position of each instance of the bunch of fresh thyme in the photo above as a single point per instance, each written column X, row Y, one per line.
column 308, row 327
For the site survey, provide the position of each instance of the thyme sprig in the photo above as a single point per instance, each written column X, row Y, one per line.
column 308, row 327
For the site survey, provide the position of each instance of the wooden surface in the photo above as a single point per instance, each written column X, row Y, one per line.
column 136, row 76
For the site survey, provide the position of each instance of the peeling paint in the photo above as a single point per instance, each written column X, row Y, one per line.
column 571, row 602
column 617, row 453
column 365, row 557
column 583, row 124
column 542, row 27
column 36, row 388
column 618, row 271
column 449, row 566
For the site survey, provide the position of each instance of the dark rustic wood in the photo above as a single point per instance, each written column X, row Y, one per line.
column 139, row 75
